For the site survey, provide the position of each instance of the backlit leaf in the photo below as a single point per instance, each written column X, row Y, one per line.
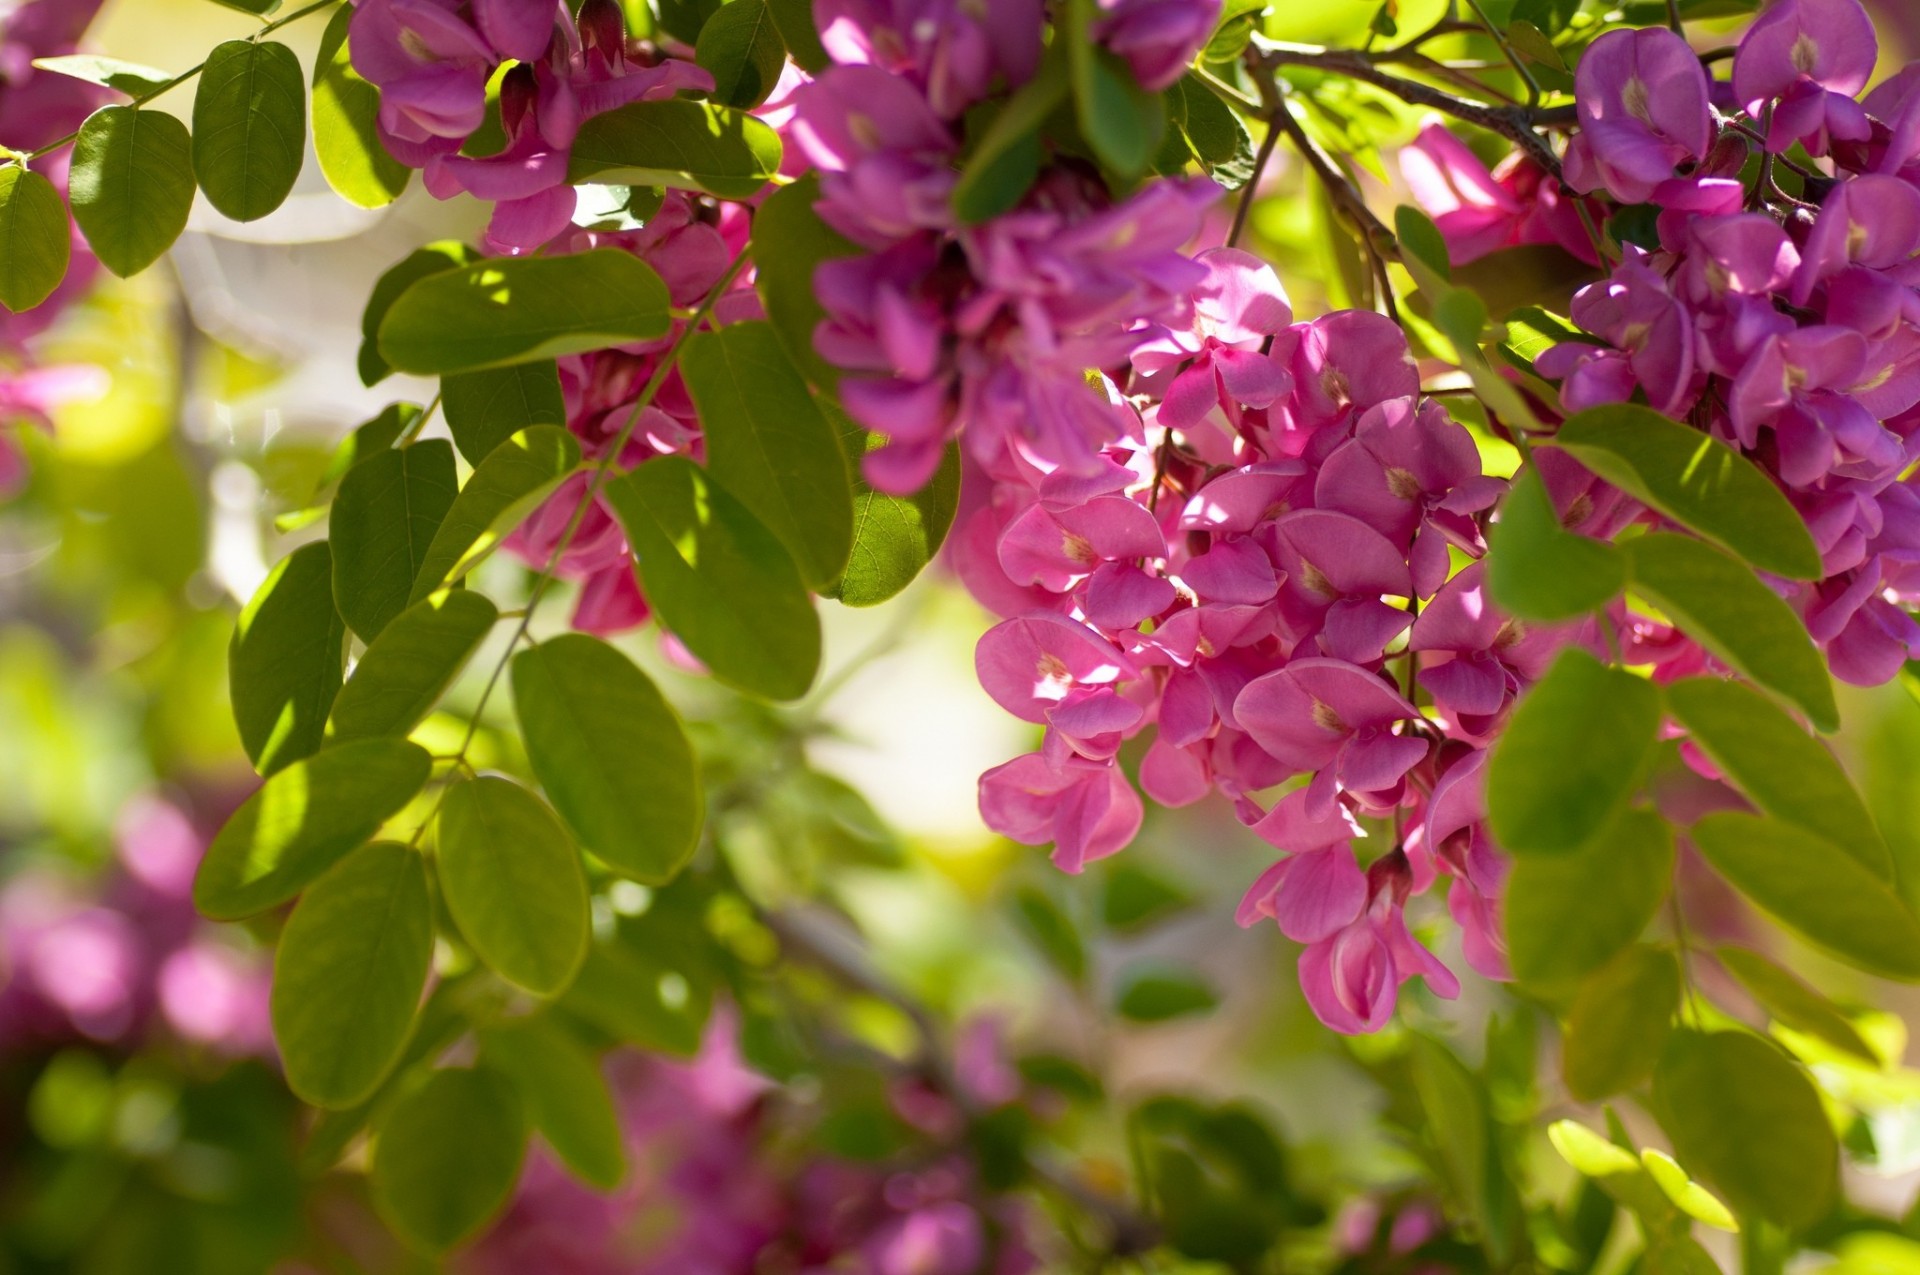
column 678, row 143
column 1619, row 1023
column 505, row 488
column 346, row 137
column 249, row 127
column 410, row 665
column 384, row 518
column 131, row 185
column 513, row 882
column 285, row 660
column 35, row 245
column 1566, row 915
column 448, row 1156
column 485, row 409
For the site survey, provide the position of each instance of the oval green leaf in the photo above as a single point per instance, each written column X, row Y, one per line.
column 1696, row 480
column 508, row 485
column 249, row 127
column 35, row 245
column 302, row 821
column 790, row 242
column 346, row 137
column 485, row 409
column 740, row 46
column 435, row 258
column 409, row 666
column 566, row 1096
column 513, row 882
column 1566, row 915
column 285, row 660
column 586, row 711
column 684, row 144
column 1793, row 1004
column 448, row 1156
column 131, row 185
column 348, row 974
column 770, row 445
column 1619, row 1023
column 1815, row 889
column 1748, row 1122
column 638, row 997
column 1782, row 769
column 894, row 537
column 516, row 309
column 1536, row 569
column 131, row 78
column 1122, row 121
column 1154, row 994
column 1571, row 755
column 385, row 516
column 1725, row 608
column 718, row 578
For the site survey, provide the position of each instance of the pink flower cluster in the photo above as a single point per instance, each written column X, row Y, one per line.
column 110, row 964
column 432, row 61
column 718, row 1185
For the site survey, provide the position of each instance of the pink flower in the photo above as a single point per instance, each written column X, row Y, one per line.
column 1335, row 719
column 1813, row 56
column 1235, row 310
column 1047, row 668
column 1476, row 659
column 1478, row 211
column 1086, row 809
column 952, row 50
column 1353, row 977
column 1158, row 38
column 1641, row 96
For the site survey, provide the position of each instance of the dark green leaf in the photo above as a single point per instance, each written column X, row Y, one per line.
column 1135, row 897
column 283, row 666
column 1815, row 889
column 258, row 8
column 385, row 516
column 484, row 409
column 348, row 974
column 410, row 665
column 1619, row 1023
column 1568, row 914
column 794, row 18
column 639, row 998
column 1215, row 133
column 304, row 820
column 678, row 143
column 1783, row 770
column 1724, row 607
column 130, row 78
column 448, row 1157
column 506, row 487
column 1422, row 239
column 1536, row 569
column 999, row 169
column 685, row 19
column 565, row 1095
column 770, row 445
column 1455, row 1103
column 368, row 440
column 587, row 712
column 1571, row 755
column 435, row 258
column 1794, row 1004
column 1122, row 121
column 249, row 127
column 1154, row 994
column 513, row 882
column 131, row 185
column 1748, row 1122
column 742, row 49
column 1052, row 932
column 894, row 537
column 345, row 134
column 35, row 244
column 790, row 242
column 1696, row 480
column 718, row 578
column 508, row 310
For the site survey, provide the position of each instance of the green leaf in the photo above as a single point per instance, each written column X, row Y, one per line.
column 1750, row 1123
column 638, row 998
column 1215, row 133
column 1134, row 898
column 770, row 445
column 1422, row 241
column 1696, row 480
column 718, row 579
column 508, row 485
column 1156, row 993
column 1687, row 1195
column 1455, row 1104
column 345, row 136
column 894, row 537
column 1793, row 1004
column 794, row 18
column 1815, row 889
column 284, row 663
column 679, row 143
column 1571, row 755
column 35, row 245
column 435, row 258
column 258, row 8
column 448, row 1156
column 348, row 974
column 384, row 517
column 741, row 47
column 1537, row 570
column 685, row 19
column 484, row 409
column 1566, row 915
column 410, row 665
column 586, row 712
column 1620, row 1172
column 1052, row 932
column 1006, row 158
column 130, row 78
column 1619, row 1023
column 368, row 440
column 249, row 127
column 790, row 242
column 565, row 1094
column 1783, row 770
column 513, row 882
column 1120, row 120
column 131, row 185
column 304, row 820
column 1724, row 607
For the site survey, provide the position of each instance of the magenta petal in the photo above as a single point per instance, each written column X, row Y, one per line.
column 1323, row 893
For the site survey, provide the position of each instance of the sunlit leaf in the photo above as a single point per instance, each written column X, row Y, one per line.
column 249, row 127
column 513, row 882
column 284, row 664
column 131, row 185
column 410, row 665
